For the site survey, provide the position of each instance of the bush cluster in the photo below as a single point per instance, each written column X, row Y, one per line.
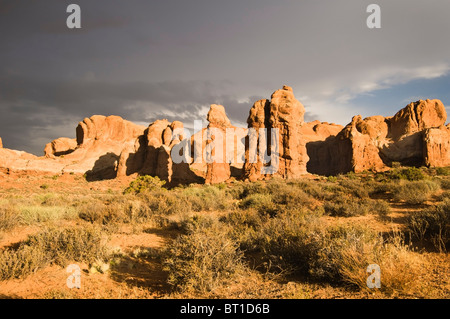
column 53, row 245
column 432, row 224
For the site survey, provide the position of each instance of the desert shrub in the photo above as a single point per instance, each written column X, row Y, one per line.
column 414, row 174
column 381, row 208
column 9, row 217
column 92, row 212
column 432, row 224
column 445, row 195
column 382, row 187
column 445, row 184
column 343, row 246
column 346, row 206
column 50, row 199
column 203, row 259
column 70, row 244
column 396, row 165
column 443, row 171
column 254, row 188
column 312, row 188
column 137, row 211
column 286, row 241
column 355, row 187
column 244, row 224
column 104, row 213
column 193, row 223
column 164, row 202
column 236, row 190
column 207, row 198
column 290, row 195
column 21, row 262
column 144, row 184
column 52, row 245
column 410, row 174
column 262, row 203
column 332, row 179
column 273, row 196
column 343, row 254
column 37, row 214
column 415, row 192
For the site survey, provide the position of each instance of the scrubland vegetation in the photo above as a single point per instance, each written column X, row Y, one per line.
column 307, row 238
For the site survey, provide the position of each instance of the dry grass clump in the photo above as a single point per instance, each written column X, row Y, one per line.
column 21, row 262
column 400, row 267
column 104, row 213
column 211, row 253
column 286, row 242
column 445, row 184
column 432, row 224
column 53, row 245
column 203, row 259
column 416, row 192
column 9, row 217
column 346, row 206
column 275, row 196
column 31, row 215
column 207, row 198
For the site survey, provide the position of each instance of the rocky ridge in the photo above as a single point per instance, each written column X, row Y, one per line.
column 111, row 147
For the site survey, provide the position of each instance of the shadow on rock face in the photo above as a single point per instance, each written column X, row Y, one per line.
column 104, row 168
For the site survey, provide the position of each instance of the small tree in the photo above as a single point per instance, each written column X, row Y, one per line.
column 144, row 184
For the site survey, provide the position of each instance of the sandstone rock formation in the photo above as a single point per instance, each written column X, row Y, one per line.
column 1, row 143
column 413, row 136
column 60, row 146
column 283, row 114
column 416, row 117
column 287, row 115
column 218, row 170
column 99, row 143
column 257, row 119
column 319, row 131
column 151, row 154
column 437, row 146
column 110, row 147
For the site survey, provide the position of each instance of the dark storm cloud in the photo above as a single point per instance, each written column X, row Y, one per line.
column 144, row 60
column 35, row 110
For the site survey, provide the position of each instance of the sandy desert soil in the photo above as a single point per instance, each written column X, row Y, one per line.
column 138, row 273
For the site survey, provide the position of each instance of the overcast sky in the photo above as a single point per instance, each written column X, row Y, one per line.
column 146, row 60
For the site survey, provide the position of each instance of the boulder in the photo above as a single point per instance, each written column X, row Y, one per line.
column 60, row 146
